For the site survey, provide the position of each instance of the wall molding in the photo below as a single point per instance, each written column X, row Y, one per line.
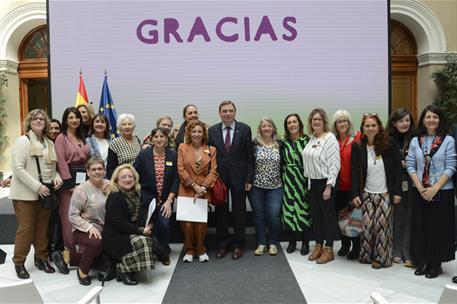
column 9, row 66
column 424, row 25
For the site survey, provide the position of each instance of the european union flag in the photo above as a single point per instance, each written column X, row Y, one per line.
column 107, row 108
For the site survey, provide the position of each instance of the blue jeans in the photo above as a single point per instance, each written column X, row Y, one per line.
column 266, row 206
column 162, row 228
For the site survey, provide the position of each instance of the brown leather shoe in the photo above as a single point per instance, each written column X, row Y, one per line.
column 317, row 252
column 376, row 265
column 237, row 253
column 327, row 256
column 220, row 253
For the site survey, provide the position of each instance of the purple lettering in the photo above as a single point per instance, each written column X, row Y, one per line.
column 247, row 29
column 198, row 29
column 265, row 27
column 171, row 26
column 231, row 38
column 153, row 35
column 290, row 28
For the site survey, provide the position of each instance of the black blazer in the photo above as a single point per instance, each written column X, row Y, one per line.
column 392, row 168
column 118, row 226
column 144, row 165
column 235, row 167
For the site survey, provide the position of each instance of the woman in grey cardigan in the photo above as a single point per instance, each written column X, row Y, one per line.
column 26, row 189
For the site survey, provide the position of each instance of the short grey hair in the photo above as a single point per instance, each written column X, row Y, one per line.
column 125, row 116
column 339, row 115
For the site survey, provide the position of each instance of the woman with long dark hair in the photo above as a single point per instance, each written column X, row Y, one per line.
column 99, row 139
column 296, row 215
column 72, row 152
column 401, row 128
column 431, row 163
column 376, row 184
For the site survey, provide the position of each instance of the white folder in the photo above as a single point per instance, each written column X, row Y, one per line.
column 192, row 210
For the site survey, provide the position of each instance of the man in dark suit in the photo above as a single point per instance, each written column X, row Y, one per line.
column 235, row 166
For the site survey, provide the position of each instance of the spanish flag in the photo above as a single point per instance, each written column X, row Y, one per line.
column 81, row 96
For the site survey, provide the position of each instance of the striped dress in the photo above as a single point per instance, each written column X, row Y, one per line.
column 295, row 206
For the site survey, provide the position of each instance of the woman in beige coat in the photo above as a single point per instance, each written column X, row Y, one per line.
column 26, row 189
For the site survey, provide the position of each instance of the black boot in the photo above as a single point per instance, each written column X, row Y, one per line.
column 345, row 246
column 305, row 243
column 126, row 278
column 21, row 272
column 422, row 269
column 43, row 265
column 292, row 242
column 354, row 253
column 434, row 271
column 59, row 261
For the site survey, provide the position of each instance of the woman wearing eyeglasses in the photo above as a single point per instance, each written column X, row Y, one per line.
column 431, row 163
column 321, row 164
column 376, row 184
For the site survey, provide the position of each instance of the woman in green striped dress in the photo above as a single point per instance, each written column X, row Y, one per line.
column 296, row 215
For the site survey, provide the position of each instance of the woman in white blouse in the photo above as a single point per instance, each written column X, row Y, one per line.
column 321, row 164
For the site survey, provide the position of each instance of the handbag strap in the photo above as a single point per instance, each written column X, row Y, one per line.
column 37, row 164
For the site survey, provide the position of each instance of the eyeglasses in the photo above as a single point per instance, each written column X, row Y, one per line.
column 342, row 121
column 39, row 118
column 370, row 114
column 126, row 177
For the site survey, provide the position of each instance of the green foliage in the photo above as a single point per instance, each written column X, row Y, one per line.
column 446, row 80
column 3, row 137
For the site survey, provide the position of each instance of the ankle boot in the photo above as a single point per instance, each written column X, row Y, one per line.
column 317, row 252
column 304, row 248
column 434, row 271
column 43, row 265
column 292, row 242
column 327, row 256
column 126, row 278
column 354, row 253
column 345, row 246
column 422, row 269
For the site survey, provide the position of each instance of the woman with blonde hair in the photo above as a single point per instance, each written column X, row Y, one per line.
column 34, row 166
column 266, row 193
column 344, row 132
column 125, row 238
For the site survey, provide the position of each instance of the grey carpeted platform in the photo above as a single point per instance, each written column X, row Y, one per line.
column 252, row 279
column 8, row 226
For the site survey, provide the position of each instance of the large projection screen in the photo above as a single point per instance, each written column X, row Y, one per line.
column 271, row 58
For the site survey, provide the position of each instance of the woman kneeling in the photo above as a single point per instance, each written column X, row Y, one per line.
column 124, row 239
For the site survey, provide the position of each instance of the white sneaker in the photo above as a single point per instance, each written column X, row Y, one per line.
column 188, row 258
column 273, row 250
column 261, row 249
column 203, row 257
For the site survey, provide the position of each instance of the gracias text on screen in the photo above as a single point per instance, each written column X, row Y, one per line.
column 227, row 29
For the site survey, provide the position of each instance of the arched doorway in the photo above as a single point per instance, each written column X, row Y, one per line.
column 403, row 50
column 33, row 71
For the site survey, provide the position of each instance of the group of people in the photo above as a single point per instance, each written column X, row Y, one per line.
column 399, row 177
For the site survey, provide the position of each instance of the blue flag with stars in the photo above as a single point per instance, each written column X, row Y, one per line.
column 107, row 108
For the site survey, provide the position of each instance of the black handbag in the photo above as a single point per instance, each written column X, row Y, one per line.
column 50, row 201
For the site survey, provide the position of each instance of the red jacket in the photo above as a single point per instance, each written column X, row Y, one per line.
column 345, row 158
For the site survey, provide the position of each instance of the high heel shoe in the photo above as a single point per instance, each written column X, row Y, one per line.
column 86, row 281
column 126, row 278
column 43, row 265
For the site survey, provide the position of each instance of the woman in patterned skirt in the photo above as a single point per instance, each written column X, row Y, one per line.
column 376, row 183
column 296, row 215
column 124, row 239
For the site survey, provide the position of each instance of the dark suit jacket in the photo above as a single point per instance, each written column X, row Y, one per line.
column 236, row 167
column 118, row 226
column 144, row 165
column 392, row 168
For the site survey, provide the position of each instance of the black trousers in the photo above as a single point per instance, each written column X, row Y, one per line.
column 238, row 218
column 323, row 214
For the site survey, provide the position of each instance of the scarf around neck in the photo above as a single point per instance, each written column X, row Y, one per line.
column 434, row 147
